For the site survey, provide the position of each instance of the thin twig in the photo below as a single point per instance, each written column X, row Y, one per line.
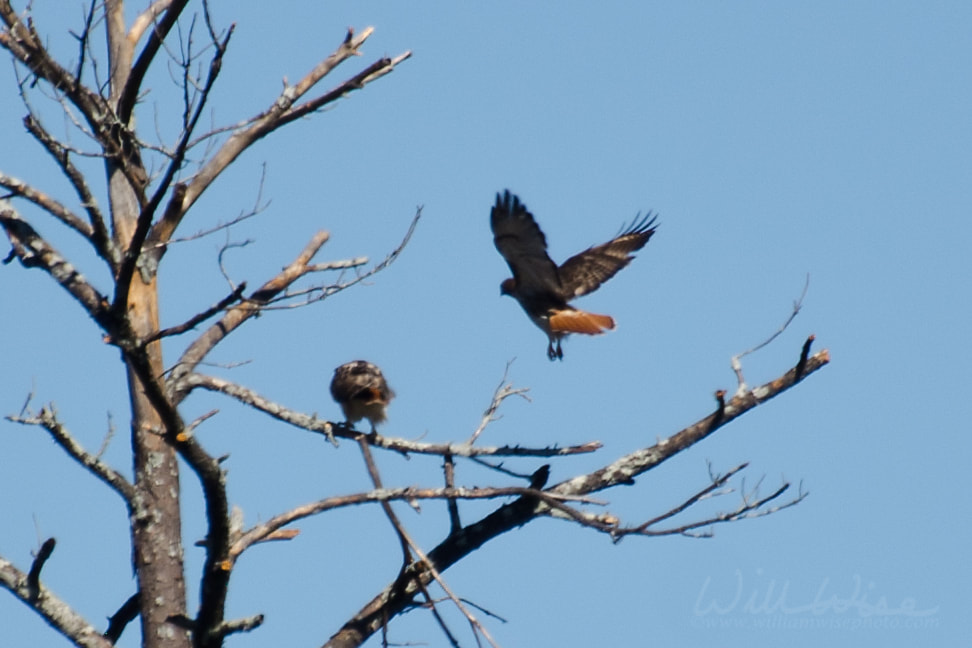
column 83, row 40
column 319, row 293
column 199, row 318
column 409, row 546
column 737, row 365
column 109, row 435
column 385, row 506
column 503, row 391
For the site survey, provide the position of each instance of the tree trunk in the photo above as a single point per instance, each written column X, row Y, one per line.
column 156, row 522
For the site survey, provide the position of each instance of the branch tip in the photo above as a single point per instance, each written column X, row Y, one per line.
column 804, row 354
column 33, row 576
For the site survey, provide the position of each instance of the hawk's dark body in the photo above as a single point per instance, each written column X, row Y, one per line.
column 541, row 287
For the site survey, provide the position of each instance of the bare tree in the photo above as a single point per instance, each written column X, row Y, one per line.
column 149, row 193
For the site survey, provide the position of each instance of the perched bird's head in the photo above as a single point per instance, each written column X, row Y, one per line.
column 508, row 286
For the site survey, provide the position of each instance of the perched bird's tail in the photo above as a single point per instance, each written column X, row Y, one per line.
column 578, row 321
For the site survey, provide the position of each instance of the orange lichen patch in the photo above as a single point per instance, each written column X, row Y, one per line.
column 577, row 321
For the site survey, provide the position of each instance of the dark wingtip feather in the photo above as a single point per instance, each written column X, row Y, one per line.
column 646, row 224
column 509, row 203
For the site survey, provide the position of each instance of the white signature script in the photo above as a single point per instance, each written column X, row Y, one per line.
column 774, row 599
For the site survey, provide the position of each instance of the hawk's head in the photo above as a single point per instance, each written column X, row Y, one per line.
column 508, row 287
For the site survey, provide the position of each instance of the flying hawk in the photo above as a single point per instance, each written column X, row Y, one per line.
column 361, row 391
column 542, row 288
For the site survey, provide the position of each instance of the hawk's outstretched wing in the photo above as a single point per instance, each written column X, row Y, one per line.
column 585, row 272
column 521, row 242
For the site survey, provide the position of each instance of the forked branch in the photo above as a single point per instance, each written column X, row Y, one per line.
column 34, row 251
column 268, row 530
column 393, row 600
column 339, row 430
column 264, row 297
column 19, row 188
column 61, row 616
column 285, row 109
column 47, row 419
column 99, row 236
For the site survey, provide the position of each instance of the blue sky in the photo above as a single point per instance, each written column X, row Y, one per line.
column 774, row 140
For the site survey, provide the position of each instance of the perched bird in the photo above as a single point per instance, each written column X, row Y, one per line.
column 544, row 289
column 361, row 391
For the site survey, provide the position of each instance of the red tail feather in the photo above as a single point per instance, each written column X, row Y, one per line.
column 578, row 321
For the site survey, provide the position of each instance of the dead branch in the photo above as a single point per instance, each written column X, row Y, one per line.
column 33, row 576
column 199, row 318
column 804, row 352
column 385, row 506
column 127, row 613
column 268, row 293
column 737, row 365
column 161, row 27
column 449, row 472
column 239, row 314
column 258, row 206
column 47, row 419
column 375, row 71
column 408, row 546
column 112, row 134
column 165, row 227
column 56, row 612
column 283, row 111
column 318, row 292
column 239, row 625
column 191, row 427
column 83, row 39
column 27, row 47
column 35, row 252
column 109, row 435
column 404, row 446
column 21, row 189
column 269, row 529
column 215, row 578
column 503, row 391
column 99, row 236
column 748, row 508
column 146, row 18
column 751, row 506
column 625, row 469
column 210, row 230
column 289, row 298
column 392, row 601
column 717, row 481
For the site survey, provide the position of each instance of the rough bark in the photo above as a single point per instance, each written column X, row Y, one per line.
column 156, row 517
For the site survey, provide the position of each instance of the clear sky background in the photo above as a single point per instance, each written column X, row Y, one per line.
column 774, row 140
